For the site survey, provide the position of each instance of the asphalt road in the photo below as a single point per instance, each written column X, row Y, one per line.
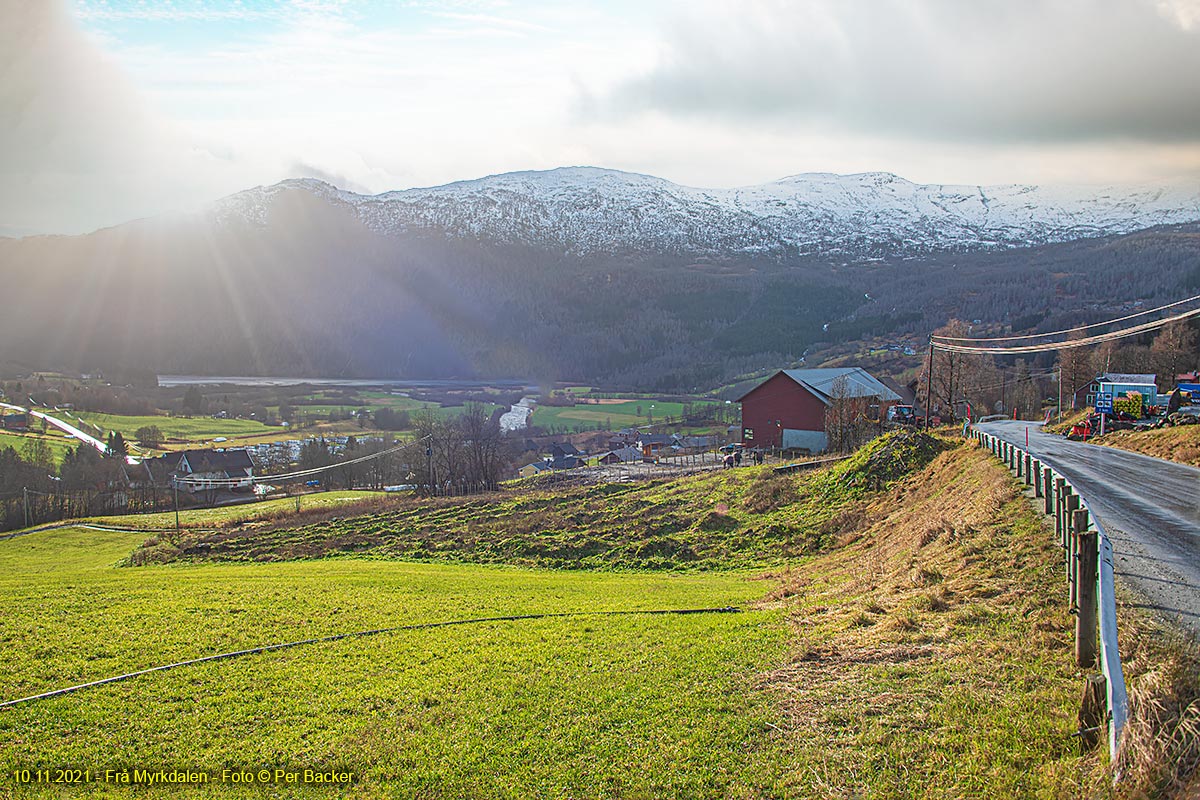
column 1149, row 508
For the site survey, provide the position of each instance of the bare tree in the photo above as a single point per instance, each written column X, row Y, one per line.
column 1173, row 351
column 1075, row 369
column 847, row 422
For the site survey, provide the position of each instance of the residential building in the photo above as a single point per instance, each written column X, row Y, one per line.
column 1120, row 385
column 214, row 469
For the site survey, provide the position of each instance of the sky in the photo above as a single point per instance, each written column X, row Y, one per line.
column 112, row 110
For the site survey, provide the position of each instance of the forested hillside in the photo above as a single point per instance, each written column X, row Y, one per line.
column 310, row 289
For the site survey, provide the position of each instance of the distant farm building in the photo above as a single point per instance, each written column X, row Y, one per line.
column 14, row 422
column 787, row 410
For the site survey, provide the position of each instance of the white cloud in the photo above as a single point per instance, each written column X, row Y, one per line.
column 127, row 120
column 995, row 71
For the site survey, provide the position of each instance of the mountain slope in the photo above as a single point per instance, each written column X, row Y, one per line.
column 575, row 274
column 587, row 211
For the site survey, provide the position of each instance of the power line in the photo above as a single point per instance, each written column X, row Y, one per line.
column 216, row 482
column 941, row 343
column 1070, row 330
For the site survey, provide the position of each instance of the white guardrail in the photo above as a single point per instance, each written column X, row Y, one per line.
column 1070, row 510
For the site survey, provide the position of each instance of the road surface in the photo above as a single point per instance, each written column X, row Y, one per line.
column 1149, row 508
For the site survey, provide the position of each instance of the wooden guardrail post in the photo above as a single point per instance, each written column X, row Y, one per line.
column 1070, row 506
column 1079, row 524
column 1048, row 492
column 1085, row 593
column 1028, row 470
column 1092, row 712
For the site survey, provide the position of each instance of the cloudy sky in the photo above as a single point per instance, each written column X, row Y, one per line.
column 116, row 109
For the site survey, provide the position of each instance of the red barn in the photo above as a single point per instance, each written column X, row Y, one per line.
column 788, row 409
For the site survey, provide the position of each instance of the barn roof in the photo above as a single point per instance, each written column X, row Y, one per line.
column 824, row 383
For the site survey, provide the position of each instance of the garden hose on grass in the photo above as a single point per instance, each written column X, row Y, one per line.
column 356, row 634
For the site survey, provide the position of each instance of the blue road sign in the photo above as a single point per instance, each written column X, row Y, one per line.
column 1104, row 402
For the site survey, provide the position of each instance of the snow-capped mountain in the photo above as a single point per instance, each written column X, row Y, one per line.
column 586, row 210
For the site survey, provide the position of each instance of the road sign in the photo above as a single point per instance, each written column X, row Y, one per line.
column 1104, row 402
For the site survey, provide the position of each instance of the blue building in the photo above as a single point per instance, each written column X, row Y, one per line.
column 1119, row 385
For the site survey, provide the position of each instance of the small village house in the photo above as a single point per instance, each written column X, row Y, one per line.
column 214, row 469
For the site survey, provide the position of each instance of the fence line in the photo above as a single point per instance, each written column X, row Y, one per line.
column 1093, row 604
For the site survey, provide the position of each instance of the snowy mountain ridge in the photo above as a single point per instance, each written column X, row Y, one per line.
column 589, row 211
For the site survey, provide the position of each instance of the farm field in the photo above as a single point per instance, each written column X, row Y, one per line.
column 608, row 413
column 590, row 705
column 18, row 441
column 246, row 512
column 908, row 649
column 194, row 429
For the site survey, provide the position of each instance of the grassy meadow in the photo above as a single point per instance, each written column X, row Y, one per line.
column 589, row 705
column 192, row 429
column 912, row 643
column 609, row 413
column 59, row 445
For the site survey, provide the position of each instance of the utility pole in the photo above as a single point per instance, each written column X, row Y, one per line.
column 929, row 386
column 25, row 503
column 176, row 485
column 1060, row 388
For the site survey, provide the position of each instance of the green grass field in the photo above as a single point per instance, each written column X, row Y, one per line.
column 608, row 414
column 584, row 706
column 196, row 429
column 235, row 514
column 923, row 650
column 18, row 441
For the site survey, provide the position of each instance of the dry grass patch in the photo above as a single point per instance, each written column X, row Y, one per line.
column 1160, row 754
column 932, row 654
column 1181, row 443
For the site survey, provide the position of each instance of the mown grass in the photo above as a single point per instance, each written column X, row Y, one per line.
column 193, row 429
column 609, row 414
column 583, row 706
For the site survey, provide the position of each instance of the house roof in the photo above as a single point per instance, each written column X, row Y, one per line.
column 1122, row 377
column 655, row 438
column 566, row 448
column 823, row 383
column 217, row 460
column 158, row 470
column 907, row 396
column 624, row 454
